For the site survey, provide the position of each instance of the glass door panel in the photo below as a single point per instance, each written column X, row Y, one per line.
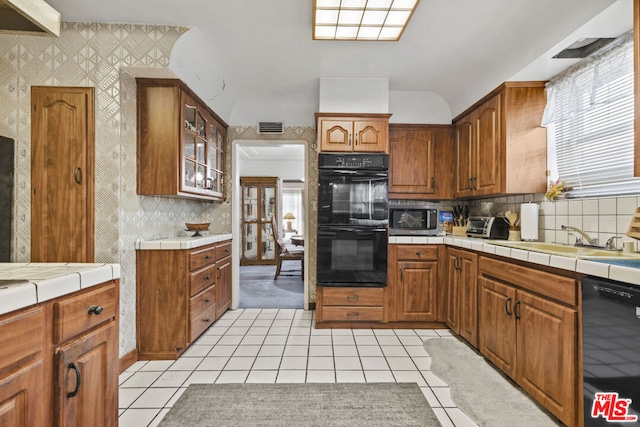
column 201, row 125
column 268, row 202
column 250, row 241
column 250, row 203
column 189, row 174
column 189, row 146
column 201, row 176
column 267, row 242
column 190, row 118
column 200, row 153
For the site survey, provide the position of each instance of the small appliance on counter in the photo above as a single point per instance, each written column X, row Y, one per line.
column 488, row 227
column 413, row 221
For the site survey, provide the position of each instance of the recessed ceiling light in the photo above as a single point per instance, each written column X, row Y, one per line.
column 361, row 19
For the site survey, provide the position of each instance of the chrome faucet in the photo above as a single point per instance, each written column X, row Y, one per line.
column 611, row 245
column 580, row 235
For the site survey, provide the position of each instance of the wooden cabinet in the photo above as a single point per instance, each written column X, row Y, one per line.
column 59, row 361
column 259, row 207
column 528, row 326
column 420, row 158
column 353, row 133
column 62, row 178
column 413, row 278
column 180, row 293
column 351, row 304
column 22, row 376
column 181, row 142
column 462, row 288
column 500, row 145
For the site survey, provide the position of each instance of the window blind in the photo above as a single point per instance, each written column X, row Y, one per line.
column 589, row 115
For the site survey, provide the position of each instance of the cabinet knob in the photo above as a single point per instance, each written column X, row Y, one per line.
column 226, row 251
column 207, row 300
column 418, row 253
column 207, row 277
column 95, row 309
column 207, row 320
column 207, row 257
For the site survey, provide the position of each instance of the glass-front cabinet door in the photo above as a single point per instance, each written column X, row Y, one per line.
column 202, row 147
column 259, row 207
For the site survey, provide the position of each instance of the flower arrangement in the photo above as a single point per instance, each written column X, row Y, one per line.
column 556, row 189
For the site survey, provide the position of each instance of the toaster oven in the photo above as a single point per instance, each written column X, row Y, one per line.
column 488, row 227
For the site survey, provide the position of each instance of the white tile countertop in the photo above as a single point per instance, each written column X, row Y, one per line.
column 569, row 263
column 186, row 242
column 39, row 282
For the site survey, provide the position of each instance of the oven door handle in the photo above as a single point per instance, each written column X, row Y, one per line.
column 351, row 229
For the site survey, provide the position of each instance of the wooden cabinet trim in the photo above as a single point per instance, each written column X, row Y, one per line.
column 353, row 296
column 353, row 314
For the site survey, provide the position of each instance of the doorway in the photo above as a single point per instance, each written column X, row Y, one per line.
column 255, row 286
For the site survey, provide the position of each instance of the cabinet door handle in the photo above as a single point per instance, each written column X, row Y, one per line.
column 77, row 175
column 458, row 263
column 349, row 140
column 96, row 309
column 353, row 297
column 470, row 183
column 74, row 393
column 219, row 273
column 473, row 186
column 357, row 138
column 507, row 303
column 516, row 311
column 433, row 182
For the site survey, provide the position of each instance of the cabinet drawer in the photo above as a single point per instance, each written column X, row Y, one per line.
column 223, row 250
column 74, row 315
column 417, row 252
column 352, row 314
column 370, row 297
column 202, row 279
column 203, row 312
column 201, row 257
column 21, row 337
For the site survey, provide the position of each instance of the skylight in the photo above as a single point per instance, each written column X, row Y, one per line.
column 361, row 19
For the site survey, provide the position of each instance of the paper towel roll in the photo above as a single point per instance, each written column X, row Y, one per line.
column 529, row 221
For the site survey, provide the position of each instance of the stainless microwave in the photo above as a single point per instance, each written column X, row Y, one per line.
column 413, row 221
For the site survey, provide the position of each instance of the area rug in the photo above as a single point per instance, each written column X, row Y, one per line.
column 479, row 390
column 304, row 404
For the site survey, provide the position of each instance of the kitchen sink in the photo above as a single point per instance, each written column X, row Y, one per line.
column 566, row 250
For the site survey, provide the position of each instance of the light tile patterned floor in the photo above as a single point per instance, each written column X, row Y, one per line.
column 283, row 346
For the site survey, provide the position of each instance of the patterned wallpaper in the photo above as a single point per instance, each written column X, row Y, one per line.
column 91, row 54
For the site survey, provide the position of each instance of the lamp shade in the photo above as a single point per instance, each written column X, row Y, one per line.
column 289, row 215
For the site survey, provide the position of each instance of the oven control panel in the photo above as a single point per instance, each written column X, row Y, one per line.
column 353, row 161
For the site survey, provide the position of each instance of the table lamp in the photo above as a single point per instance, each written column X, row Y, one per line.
column 289, row 216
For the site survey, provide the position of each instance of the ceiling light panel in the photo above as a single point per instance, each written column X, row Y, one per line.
column 361, row 19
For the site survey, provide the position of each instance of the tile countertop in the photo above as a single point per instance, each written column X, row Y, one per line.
column 39, row 282
column 186, row 242
column 584, row 266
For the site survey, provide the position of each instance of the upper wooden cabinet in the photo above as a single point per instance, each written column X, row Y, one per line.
column 353, row 133
column 181, row 142
column 419, row 161
column 500, row 147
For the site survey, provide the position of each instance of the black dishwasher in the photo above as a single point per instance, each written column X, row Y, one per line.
column 611, row 352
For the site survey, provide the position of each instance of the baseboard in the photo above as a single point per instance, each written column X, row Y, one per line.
column 128, row 359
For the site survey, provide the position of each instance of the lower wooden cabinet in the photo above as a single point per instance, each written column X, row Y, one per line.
column 413, row 282
column 462, row 308
column 531, row 337
column 59, row 361
column 350, row 304
column 180, row 293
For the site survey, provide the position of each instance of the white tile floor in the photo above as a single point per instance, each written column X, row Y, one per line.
column 283, row 346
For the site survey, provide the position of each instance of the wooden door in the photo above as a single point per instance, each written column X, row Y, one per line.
column 86, row 389
column 497, row 325
column 416, row 300
column 464, row 157
column 547, row 354
column 223, row 286
column 453, row 290
column 22, row 397
column 411, row 163
column 371, row 136
column 468, row 290
column 488, row 164
column 336, row 135
column 62, row 174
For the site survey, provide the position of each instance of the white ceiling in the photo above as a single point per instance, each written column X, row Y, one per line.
column 254, row 60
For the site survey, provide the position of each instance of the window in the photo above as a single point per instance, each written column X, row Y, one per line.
column 589, row 119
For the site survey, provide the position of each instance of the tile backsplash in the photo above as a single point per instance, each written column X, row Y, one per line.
column 599, row 217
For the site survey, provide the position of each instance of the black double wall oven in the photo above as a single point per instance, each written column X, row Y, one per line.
column 353, row 219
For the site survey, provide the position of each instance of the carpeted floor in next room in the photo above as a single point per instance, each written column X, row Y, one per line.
column 258, row 288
